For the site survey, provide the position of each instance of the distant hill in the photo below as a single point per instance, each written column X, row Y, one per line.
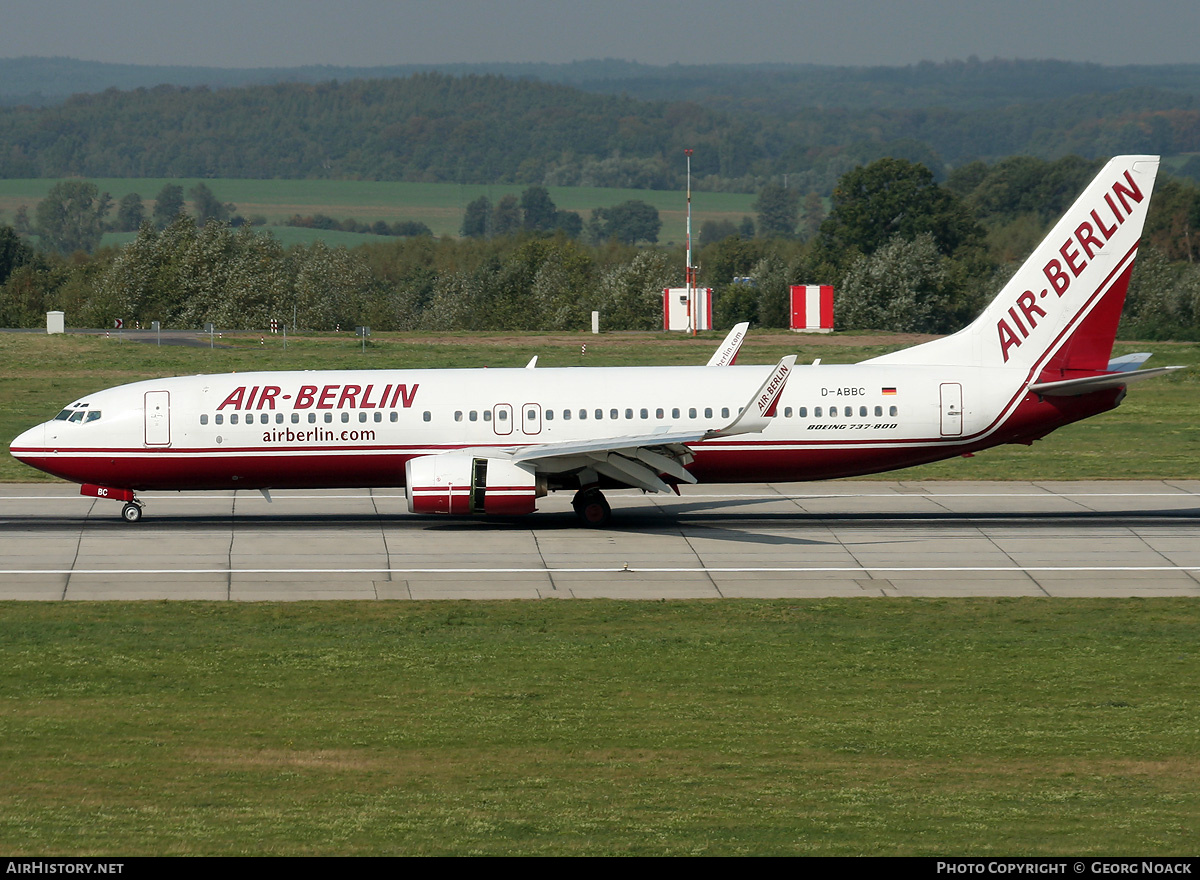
column 595, row 123
column 768, row 88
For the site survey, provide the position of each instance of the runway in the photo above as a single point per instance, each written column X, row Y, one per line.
column 812, row 540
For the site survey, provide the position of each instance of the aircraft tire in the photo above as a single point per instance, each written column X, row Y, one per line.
column 131, row 512
column 592, row 507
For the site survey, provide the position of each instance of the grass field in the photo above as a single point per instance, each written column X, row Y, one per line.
column 814, row 727
column 1154, row 434
column 881, row 727
column 438, row 205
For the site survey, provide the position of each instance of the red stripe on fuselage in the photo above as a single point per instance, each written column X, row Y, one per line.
column 783, row 460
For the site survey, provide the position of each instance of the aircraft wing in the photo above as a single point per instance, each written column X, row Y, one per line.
column 638, row 459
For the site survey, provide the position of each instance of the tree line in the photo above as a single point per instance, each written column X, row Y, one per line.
column 492, row 129
column 904, row 252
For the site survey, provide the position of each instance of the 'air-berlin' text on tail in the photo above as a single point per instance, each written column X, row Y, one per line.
column 1057, row 316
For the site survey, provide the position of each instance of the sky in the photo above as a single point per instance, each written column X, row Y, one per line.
column 286, row 33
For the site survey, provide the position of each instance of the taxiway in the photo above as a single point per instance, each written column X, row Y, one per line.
column 851, row 538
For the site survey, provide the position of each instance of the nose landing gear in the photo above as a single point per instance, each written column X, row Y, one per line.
column 131, row 512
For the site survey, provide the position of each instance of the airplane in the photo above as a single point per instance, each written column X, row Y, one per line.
column 493, row 441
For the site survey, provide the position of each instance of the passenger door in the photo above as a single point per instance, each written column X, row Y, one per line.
column 158, row 418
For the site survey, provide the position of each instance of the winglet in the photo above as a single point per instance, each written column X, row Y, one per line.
column 726, row 355
column 757, row 414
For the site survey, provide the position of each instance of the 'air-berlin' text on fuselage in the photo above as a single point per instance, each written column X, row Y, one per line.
column 321, row 397
column 1076, row 251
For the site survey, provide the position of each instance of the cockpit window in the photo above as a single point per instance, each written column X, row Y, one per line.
column 81, row 414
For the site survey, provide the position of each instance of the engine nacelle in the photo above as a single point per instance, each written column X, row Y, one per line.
column 461, row 483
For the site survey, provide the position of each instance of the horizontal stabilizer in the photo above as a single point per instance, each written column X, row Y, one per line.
column 1128, row 362
column 1076, row 387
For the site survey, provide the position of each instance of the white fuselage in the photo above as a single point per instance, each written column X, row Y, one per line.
column 358, row 428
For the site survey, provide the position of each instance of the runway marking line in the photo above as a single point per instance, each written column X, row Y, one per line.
column 607, row 570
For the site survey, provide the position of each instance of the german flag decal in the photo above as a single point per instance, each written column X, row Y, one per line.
column 888, row 391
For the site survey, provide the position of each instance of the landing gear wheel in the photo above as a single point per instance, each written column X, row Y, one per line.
column 591, row 507
column 131, row 512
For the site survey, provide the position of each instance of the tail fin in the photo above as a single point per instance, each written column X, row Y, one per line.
column 1057, row 316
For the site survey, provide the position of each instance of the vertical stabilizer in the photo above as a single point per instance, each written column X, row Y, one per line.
column 1057, row 316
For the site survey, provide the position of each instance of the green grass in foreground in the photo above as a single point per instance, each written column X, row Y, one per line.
column 1154, row 434
column 898, row 727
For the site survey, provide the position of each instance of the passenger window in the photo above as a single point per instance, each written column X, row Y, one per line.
column 394, row 416
column 674, row 412
column 328, row 418
column 204, row 418
column 345, row 417
column 833, row 412
column 803, row 412
column 787, row 412
column 582, row 414
column 724, row 412
column 550, row 414
column 233, row 419
column 658, row 413
column 708, row 412
column 816, row 412
column 612, row 414
column 879, row 410
column 599, row 414
column 849, row 411
column 295, row 418
column 644, row 413
column 458, row 415
column 426, row 416
column 502, row 415
column 487, row 415
column 566, row 414
column 378, row 416
column 862, row 410
column 265, row 418
column 530, row 414
column 219, row 418
column 891, row 410
column 279, row 418
column 474, row 416
column 312, row 418
column 362, row 416
column 691, row 412
column 628, row 413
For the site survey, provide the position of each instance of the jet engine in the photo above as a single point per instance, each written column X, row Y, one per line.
column 462, row 483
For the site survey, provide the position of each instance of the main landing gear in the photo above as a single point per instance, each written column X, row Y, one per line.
column 591, row 507
column 132, row 512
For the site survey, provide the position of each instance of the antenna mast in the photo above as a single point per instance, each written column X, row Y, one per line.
column 689, row 273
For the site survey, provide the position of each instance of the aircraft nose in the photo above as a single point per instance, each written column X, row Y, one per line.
column 33, row 439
